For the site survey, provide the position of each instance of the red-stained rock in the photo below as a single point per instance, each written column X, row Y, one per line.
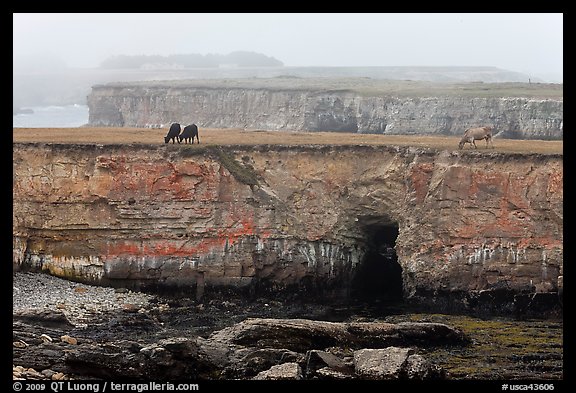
column 466, row 221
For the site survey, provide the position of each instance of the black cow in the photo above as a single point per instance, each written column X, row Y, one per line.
column 190, row 131
column 173, row 133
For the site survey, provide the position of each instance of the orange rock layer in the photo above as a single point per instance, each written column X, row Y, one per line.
column 174, row 215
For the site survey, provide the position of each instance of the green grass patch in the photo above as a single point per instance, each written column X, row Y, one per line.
column 244, row 173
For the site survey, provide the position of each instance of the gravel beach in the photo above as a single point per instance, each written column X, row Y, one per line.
column 79, row 302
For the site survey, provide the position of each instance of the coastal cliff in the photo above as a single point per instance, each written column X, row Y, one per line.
column 452, row 229
column 361, row 105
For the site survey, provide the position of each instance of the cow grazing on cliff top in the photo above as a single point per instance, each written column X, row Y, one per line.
column 190, row 131
column 173, row 133
column 476, row 134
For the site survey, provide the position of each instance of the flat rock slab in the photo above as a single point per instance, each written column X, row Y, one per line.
column 301, row 335
column 286, row 371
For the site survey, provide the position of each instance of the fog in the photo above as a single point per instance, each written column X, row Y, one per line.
column 530, row 43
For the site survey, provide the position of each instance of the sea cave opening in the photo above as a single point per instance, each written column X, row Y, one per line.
column 379, row 275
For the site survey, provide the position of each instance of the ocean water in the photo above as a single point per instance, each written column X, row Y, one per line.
column 75, row 115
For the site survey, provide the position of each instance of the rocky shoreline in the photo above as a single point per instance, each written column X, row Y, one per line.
column 69, row 330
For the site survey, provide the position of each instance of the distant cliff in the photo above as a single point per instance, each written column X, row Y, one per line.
column 363, row 105
column 35, row 84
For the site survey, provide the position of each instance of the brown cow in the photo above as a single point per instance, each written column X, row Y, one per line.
column 475, row 134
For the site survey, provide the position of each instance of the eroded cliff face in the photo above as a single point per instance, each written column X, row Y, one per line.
column 303, row 219
column 319, row 110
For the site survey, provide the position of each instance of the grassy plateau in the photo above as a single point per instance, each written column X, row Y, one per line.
column 233, row 136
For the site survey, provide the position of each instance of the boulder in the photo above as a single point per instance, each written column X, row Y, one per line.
column 384, row 363
column 286, row 371
column 324, row 364
column 394, row 363
column 301, row 335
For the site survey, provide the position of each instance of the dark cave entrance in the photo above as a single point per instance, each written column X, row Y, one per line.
column 379, row 275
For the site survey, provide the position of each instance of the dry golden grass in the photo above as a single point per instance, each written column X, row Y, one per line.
column 232, row 136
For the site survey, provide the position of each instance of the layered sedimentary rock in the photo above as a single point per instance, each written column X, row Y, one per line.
column 315, row 108
column 284, row 218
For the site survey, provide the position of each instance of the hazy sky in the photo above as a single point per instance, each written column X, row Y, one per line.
column 524, row 42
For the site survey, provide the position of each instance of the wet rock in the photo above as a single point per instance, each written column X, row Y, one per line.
column 417, row 367
column 394, row 363
column 34, row 335
column 46, row 318
column 332, row 366
column 165, row 359
column 286, row 371
column 430, row 333
column 301, row 335
column 48, row 373
column 247, row 362
column 385, row 363
column 214, row 352
column 39, row 357
column 98, row 361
